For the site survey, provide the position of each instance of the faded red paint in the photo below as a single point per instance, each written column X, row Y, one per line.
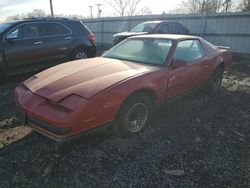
column 86, row 94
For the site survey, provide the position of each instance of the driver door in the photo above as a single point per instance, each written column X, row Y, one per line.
column 191, row 74
column 23, row 45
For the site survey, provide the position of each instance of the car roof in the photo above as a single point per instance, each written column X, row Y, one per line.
column 11, row 22
column 38, row 19
column 159, row 21
column 167, row 36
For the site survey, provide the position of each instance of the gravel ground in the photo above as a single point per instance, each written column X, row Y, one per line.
column 202, row 140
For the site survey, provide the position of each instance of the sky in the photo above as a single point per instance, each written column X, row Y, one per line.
column 77, row 7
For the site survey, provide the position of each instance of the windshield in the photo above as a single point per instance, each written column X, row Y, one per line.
column 4, row 26
column 144, row 27
column 147, row 51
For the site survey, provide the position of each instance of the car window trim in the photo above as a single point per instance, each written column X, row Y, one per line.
column 157, row 27
column 46, row 36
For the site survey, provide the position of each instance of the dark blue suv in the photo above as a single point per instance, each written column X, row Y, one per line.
column 31, row 44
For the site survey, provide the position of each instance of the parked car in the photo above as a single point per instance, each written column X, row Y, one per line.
column 31, row 44
column 121, row 88
column 152, row 27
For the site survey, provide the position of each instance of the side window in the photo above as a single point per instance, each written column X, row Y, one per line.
column 26, row 31
column 172, row 27
column 179, row 28
column 13, row 34
column 49, row 29
column 163, row 28
column 189, row 50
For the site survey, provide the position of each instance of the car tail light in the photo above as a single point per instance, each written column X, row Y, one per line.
column 91, row 37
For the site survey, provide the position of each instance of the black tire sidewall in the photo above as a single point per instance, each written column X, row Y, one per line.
column 218, row 70
column 120, row 125
column 77, row 51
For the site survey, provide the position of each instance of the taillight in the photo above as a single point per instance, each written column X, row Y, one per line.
column 91, row 37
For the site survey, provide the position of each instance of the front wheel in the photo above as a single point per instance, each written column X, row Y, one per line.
column 134, row 115
column 216, row 80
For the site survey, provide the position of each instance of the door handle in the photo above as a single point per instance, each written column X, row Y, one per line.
column 68, row 38
column 38, row 42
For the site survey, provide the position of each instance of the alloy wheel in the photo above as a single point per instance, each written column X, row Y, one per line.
column 136, row 117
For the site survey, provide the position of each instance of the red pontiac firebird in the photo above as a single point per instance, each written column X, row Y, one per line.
column 122, row 87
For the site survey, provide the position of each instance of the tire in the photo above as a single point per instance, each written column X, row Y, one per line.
column 80, row 54
column 216, row 80
column 134, row 116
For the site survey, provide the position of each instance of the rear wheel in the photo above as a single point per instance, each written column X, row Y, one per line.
column 216, row 80
column 134, row 115
column 80, row 54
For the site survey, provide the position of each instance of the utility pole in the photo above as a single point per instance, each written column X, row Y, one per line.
column 91, row 14
column 99, row 10
column 51, row 8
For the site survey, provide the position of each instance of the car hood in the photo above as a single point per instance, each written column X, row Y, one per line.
column 129, row 34
column 85, row 78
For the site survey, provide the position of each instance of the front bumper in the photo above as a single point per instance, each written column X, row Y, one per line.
column 56, row 122
column 39, row 115
column 48, row 127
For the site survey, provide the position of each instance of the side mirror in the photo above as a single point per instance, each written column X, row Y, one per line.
column 179, row 63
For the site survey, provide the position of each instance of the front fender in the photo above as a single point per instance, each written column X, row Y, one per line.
column 103, row 107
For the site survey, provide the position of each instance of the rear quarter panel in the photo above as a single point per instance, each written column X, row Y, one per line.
column 227, row 57
column 216, row 56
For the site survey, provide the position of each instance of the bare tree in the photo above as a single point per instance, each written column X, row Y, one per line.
column 132, row 7
column 244, row 5
column 144, row 11
column 127, row 7
column 203, row 6
column 227, row 5
column 36, row 13
column 120, row 6
column 14, row 17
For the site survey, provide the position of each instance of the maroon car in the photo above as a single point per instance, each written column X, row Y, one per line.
column 122, row 87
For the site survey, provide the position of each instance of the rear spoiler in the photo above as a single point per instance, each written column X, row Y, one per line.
column 223, row 47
